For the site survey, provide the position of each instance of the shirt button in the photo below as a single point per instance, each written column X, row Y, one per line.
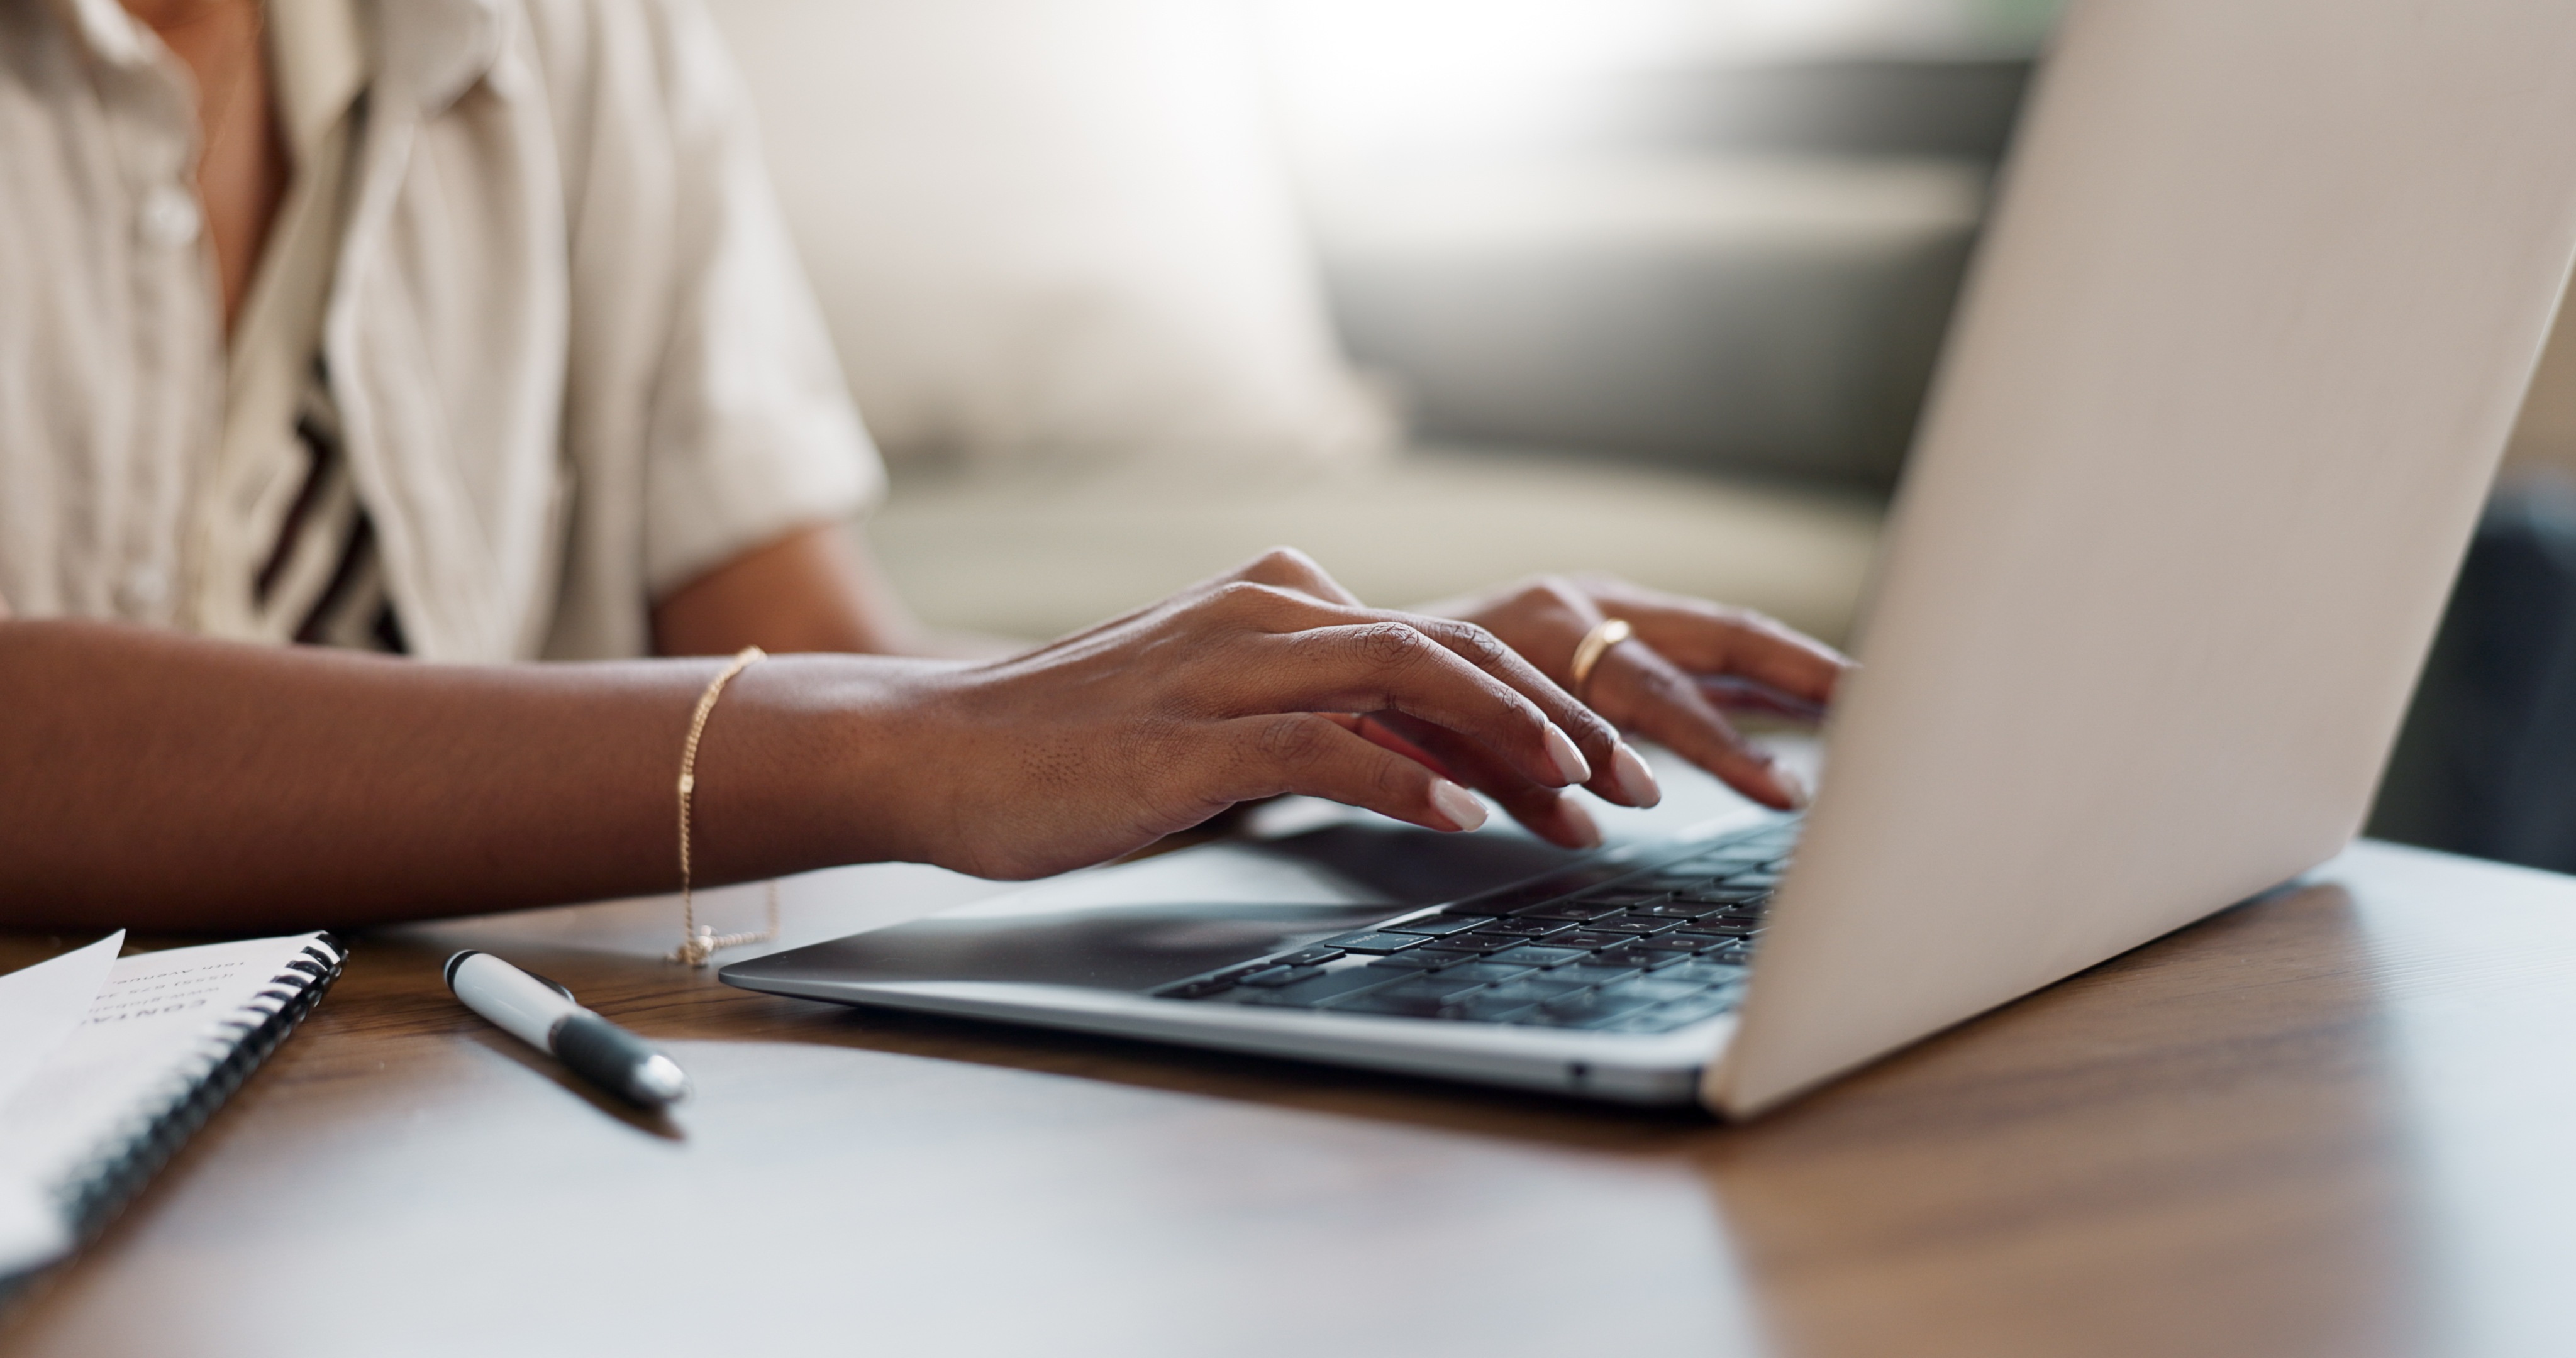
column 143, row 589
column 170, row 216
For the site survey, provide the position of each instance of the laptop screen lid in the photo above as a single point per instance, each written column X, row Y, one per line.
column 2257, row 307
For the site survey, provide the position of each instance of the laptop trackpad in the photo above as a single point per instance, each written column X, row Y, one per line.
column 1116, row 947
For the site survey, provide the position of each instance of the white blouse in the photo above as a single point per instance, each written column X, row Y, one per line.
column 574, row 359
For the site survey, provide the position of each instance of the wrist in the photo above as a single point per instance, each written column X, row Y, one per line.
column 824, row 762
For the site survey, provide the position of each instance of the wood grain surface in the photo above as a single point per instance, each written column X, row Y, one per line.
column 2330, row 1122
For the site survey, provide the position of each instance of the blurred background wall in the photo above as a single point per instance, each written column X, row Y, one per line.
column 1452, row 291
column 1711, row 233
column 1445, row 292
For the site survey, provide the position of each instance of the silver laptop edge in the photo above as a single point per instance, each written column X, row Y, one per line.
column 2251, row 322
column 1661, row 1069
column 2249, row 328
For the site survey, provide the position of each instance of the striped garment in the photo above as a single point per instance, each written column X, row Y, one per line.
column 324, row 576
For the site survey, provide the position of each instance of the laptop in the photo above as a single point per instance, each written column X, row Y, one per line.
column 2242, row 345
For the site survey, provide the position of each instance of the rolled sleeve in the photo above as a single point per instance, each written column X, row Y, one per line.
column 752, row 434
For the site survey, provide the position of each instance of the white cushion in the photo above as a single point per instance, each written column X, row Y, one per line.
column 1051, row 229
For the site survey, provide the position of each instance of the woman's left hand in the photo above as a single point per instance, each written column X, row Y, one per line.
column 1687, row 663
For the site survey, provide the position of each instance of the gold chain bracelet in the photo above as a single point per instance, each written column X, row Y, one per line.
column 697, row 943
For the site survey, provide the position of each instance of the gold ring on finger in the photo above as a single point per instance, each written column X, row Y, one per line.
column 1588, row 652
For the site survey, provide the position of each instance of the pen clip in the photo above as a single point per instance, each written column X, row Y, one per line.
column 556, row 986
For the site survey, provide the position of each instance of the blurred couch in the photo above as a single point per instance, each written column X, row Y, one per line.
column 1079, row 295
column 1745, row 266
column 1717, row 312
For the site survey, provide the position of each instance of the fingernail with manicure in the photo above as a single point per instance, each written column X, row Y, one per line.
column 1457, row 803
column 1570, row 763
column 1636, row 782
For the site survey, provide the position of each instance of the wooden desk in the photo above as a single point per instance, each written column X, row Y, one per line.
column 2335, row 1122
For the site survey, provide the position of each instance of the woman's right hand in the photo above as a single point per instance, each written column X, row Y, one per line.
column 1256, row 683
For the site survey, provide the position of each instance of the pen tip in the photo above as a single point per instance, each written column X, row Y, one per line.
column 661, row 1080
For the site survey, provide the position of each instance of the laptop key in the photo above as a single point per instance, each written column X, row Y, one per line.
column 1577, row 911
column 1488, row 1007
column 1482, row 943
column 1706, row 931
column 1537, row 988
column 1674, row 942
column 1587, row 940
column 1513, row 1002
column 1593, row 1010
column 1279, row 976
column 1682, row 1013
column 1625, row 898
column 1373, row 942
column 1436, row 988
column 1729, row 896
column 1722, row 928
column 1654, row 988
column 1704, row 972
column 1592, row 973
column 1676, row 909
column 1210, row 985
column 1310, row 957
column 1419, row 959
column 1639, row 957
column 1538, row 955
column 1626, row 924
column 1435, row 926
column 1388, row 1002
column 1314, row 990
column 1524, row 928
column 1484, row 973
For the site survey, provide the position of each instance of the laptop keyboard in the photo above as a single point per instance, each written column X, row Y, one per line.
column 1647, row 951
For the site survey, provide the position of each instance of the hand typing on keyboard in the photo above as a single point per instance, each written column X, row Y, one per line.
column 1689, row 662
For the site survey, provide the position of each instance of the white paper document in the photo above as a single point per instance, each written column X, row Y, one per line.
column 39, row 1007
column 131, row 1038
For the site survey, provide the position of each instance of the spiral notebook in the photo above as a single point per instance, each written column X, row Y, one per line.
column 108, row 1064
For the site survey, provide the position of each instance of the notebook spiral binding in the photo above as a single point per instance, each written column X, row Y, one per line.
column 164, row 1120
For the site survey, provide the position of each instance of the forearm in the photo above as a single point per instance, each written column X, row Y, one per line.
column 166, row 781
